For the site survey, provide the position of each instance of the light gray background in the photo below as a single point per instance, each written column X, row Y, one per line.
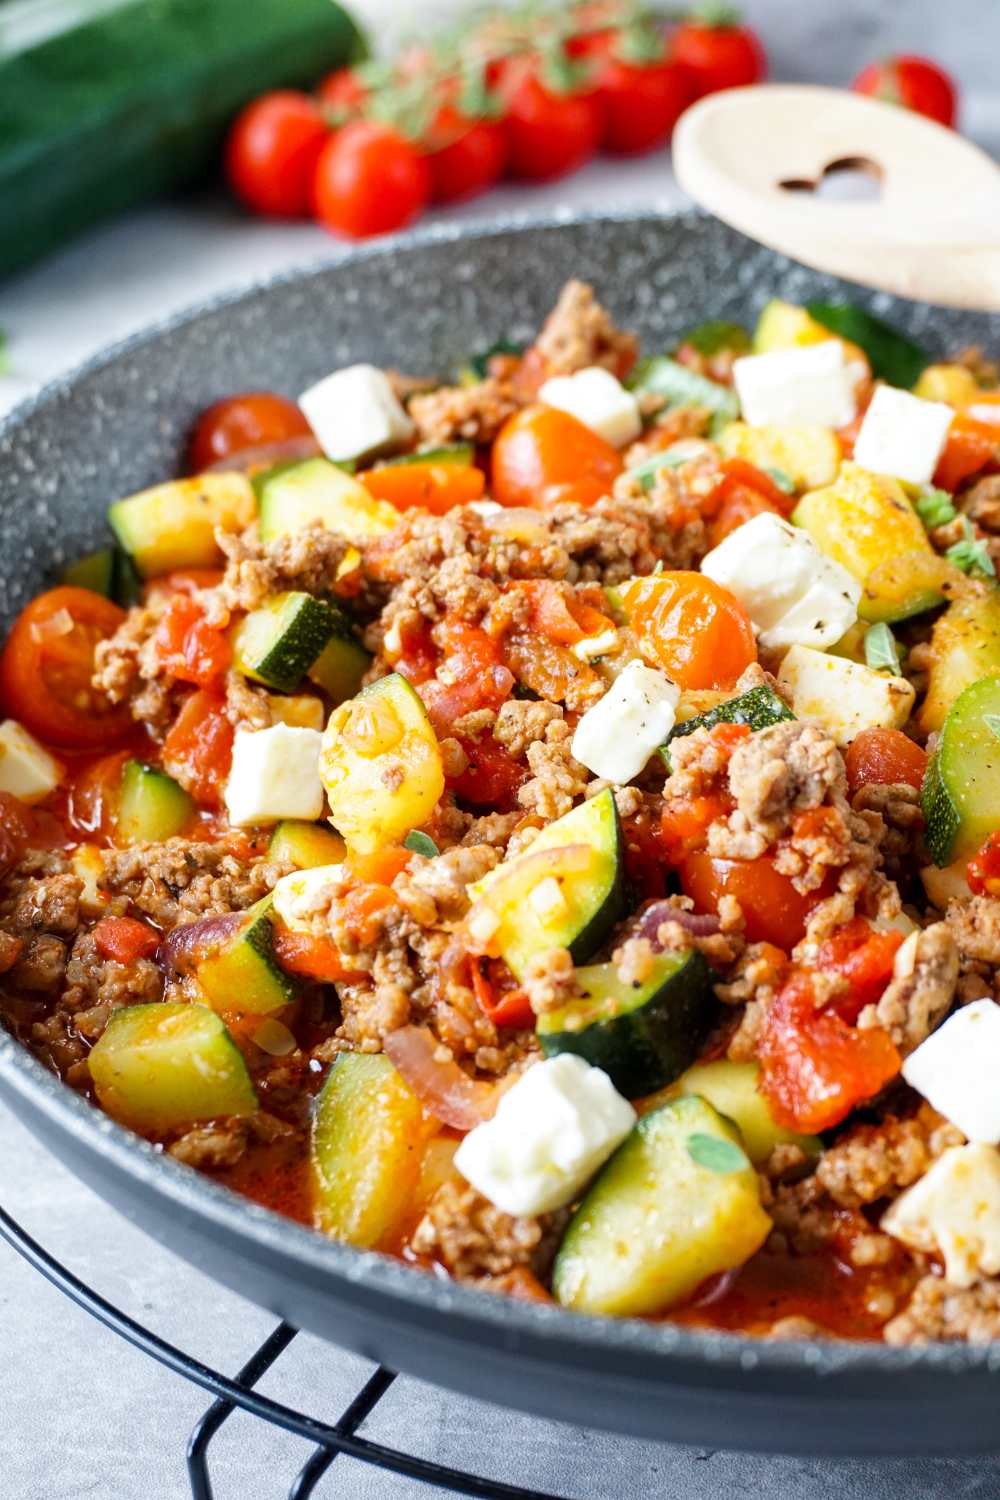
column 82, row 1414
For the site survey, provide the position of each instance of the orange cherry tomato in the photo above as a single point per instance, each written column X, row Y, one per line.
column 775, row 911
column 312, row 957
column 885, row 756
column 200, row 747
column 125, row 939
column 971, row 445
column 435, row 487
column 543, row 456
column 250, row 420
column 692, row 627
column 47, row 666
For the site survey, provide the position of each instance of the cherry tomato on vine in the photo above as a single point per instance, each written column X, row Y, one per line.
column 240, row 422
column 717, row 52
column 343, row 94
column 370, row 180
column 271, row 153
column 464, row 156
column 641, row 91
column 551, row 128
column 914, row 82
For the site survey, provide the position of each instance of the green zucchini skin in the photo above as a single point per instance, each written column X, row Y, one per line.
column 153, row 807
column 278, row 643
column 341, row 665
column 462, row 455
column 760, row 708
column 101, row 116
column 643, row 1037
column 245, row 975
column 96, row 572
column 681, row 386
column 305, row 845
column 961, row 790
column 892, row 356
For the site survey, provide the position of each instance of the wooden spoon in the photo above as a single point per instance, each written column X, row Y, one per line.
column 750, row 156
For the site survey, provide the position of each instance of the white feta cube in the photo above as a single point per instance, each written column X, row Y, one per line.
column 355, row 413
column 306, row 894
column 902, row 435
column 844, row 696
column 957, row 1069
column 275, row 775
column 812, row 384
column 616, row 737
column 552, row 1131
column 598, row 400
column 793, row 594
column 27, row 770
column 954, row 1211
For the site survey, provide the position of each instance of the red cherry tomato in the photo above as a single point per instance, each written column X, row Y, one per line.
column 464, row 156
column 886, row 756
column 641, row 99
column 240, row 422
column 718, row 55
column 271, row 153
column 914, row 82
column 370, row 180
column 47, row 666
column 549, row 133
column 343, row 94
column 543, row 456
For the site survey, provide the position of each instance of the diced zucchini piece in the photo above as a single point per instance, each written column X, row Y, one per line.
column 308, row 846
column 715, row 336
column 244, row 974
column 381, row 765
column 278, row 643
column 732, row 1089
column 368, row 1141
column 27, row 770
column 463, row 455
column 298, row 711
column 159, row 1067
column 678, row 1202
column 342, row 663
column 96, row 572
column 153, row 807
column 296, row 495
column 844, row 696
column 681, row 386
column 782, row 325
column 964, row 646
column 641, row 1035
column 808, row 453
column 173, row 525
column 759, row 707
column 961, row 791
column 565, row 891
column 865, row 522
column 891, row 355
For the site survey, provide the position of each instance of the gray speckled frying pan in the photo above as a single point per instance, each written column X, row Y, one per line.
column 421, row 303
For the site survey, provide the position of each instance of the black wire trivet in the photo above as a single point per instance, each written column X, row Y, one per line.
column 232, row 1392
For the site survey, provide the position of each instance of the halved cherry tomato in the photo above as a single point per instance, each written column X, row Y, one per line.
column 914, row 82
column 970, row 446
column 125, row 939
column 884, row 756
column 200, row 747
column 815, row 1068
column 312, row 957
column 543, row 456
column 250, row 420
column 434, row 487
column 369, row 180
column 492, row 778
column 718, row 53
column 504, row 1007
column 271, row 152
column 464, row 156
column 558, row 614
column 47, row 666
column 774, row 910
column 692, row 627
column 983, row 870
column 189, row 647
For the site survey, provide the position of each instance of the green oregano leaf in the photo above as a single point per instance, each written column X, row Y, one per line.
column 881, row 651
column 972, row 553
column 715, row 1153
column 421, row 843
column 935, row 508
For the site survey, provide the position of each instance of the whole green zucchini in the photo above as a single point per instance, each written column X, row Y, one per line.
column 98, row 116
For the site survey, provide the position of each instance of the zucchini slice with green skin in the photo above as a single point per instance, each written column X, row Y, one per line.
column 296, row 495
column 308, row 846
column 341, row 665
column 681, row 386
column 173, row 525
column 152, row 807
column 565, row 891
column 961, row 790
column 244, row 974
column 278, row 643
column 715, row 335
column 462, row 455
column 732, row 1089
column 158, row 1067
column 892, row 356
column 368, row 1139
column 96, row 572
column 643, row 1036
column 678, row 1202
column 760, row 707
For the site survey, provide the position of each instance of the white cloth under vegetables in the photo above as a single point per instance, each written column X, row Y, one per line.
column 551, row 1133
column 813, row 384
column 597, row 400
column 275, row 774
column 355, row 413
column 793, row 594
column 616, row 737
column 903, row 435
